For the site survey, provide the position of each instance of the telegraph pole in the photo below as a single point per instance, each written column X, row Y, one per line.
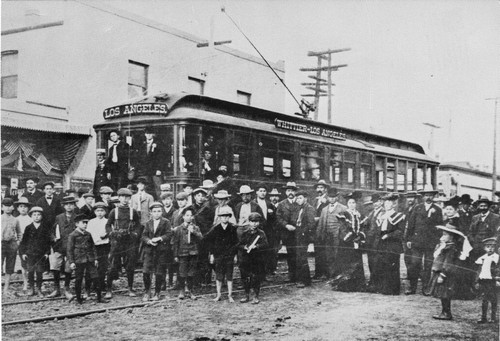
column 494, row 168
column 317, row 86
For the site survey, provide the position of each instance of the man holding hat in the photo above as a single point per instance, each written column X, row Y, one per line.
column 31, row 192
column 63, row 226
column 327, row 234
column 49, row 203
column 484, row 225
column 35, row 249
column 11, row 236
column 124, row 230
column 421, row 238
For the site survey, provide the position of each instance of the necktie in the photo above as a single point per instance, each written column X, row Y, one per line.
column 115, row 155
column 149, row 148
column 58, row 232
column 299, row 219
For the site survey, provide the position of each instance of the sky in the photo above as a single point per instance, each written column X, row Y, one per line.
column 411, row 62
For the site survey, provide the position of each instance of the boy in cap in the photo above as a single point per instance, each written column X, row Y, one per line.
column 105, row 193
column 11, row 236
column 156, row 239
column 124, row 230
column 97, row 228
column 486, row 279
column 87, row 207
column 181, row 199
column 222, row 241
column 23, row 206
column 35, row 249
column 252, row 245
column 82, row 257
column 185, row 246
column 62, row 228
column 167, row 199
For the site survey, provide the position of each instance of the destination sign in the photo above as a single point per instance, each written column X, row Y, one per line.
column 136, row 109
column 309, row 129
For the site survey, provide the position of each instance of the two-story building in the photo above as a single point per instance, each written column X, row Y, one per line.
column 64, row 62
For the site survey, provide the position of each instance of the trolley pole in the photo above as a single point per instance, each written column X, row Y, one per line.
column 494, row 168
column 317, row 87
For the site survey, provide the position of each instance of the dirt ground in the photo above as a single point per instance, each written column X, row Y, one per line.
column 285, row 313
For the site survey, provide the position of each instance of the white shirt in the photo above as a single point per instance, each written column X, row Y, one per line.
column 263, row 206
column 483, row 217
column 486, row 261
column 155, row 225
column 427, row 206
column 245, row 213
column 97, row 228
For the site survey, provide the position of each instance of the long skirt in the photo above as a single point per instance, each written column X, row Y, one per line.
column 349, row 275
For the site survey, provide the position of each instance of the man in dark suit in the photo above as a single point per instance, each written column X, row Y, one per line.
column 269, row 227
column 118, row 160
column 421, row 238
column 87, row 208
column 320, row 202
column 484, row 225
column 50, row 204
column 149, row 155
column 101, row 172
column 31, row 192
column 285, row 219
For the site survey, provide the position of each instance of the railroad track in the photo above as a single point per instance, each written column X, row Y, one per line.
column 111, row 308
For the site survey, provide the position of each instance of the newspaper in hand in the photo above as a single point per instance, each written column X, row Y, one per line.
column 250, row 248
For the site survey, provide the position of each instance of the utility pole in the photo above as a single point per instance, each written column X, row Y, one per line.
column 317, row 86
column 430, row 143
column 494, row 168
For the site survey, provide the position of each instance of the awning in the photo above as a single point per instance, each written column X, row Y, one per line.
column 53, row 127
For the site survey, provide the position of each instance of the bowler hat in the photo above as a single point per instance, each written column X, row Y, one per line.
column 207, row 184
column 245, row 189
column 274, row 192
column 222, row 194
column 68, row 200
column 466, row 199
column 322, row 183
column 290, row 185
column 81, row 217
column 23, row 201
column 333, row 192
column 7, row 202
column 35, row 209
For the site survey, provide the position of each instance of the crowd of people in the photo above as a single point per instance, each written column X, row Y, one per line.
column 451, row 245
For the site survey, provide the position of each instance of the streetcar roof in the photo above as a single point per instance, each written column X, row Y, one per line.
column 197, row 107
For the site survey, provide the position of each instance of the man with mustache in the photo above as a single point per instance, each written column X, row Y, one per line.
column 484, row 225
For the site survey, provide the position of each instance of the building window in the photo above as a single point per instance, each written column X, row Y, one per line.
column 243, row 97
column 9, row 74
column 137, row 79
column 196, row 86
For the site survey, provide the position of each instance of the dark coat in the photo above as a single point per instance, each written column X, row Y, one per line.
column 168, row 215
column 204, row 217
column 284, row 216
column 88, row 211
column 254, row 260
column 101, row 177
column 222, row 243
column 319, row 204
column 35, row 242
column 395, row 229
column 254, row 207
column 447, row 264
column 81, row 248
column 163, row 249
column 50, row 211
column 269, row 226
column 303, row 234
column 149, row 163
column 33, row 198
column 119, row 168
column 66, row 227
column 323, row 230
column 422, row 231
column 480, row 230
column 180, row 245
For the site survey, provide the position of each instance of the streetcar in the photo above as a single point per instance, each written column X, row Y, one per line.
column 257, row 145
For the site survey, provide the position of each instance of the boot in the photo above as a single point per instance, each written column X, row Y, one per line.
column 56, row 292
column 146, row 296
column 484, row 312
column 109, row 294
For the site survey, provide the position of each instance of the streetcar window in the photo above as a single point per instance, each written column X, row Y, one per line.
column 242, row 150
column 213, row 142
column 311, row 162
column 401, row 176
column 365, row 176
column 267, row 147
column 350, row 175
column 379, row 170
column 137, row 79
column 285, row 154
column 391, row 174
column 420, row 177
column 411, row 176
column 188, row 151
column 335, row 165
